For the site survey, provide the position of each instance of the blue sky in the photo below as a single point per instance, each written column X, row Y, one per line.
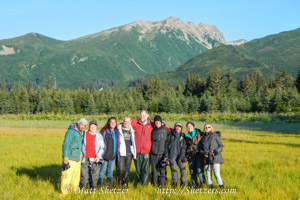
column 65, row 19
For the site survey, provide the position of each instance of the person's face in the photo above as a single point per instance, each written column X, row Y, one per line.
column 178, row 129
column 190, row 128
column 93, row 128
column 144, row 116
column 81, row 126
column 158, row 124
column 113, row 124
column 126, row 123
column 207, row 128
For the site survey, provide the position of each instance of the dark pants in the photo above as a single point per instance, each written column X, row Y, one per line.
column 85, row 174
column 142, row 168
column 155, row 159
column 173, row 165
column 196, row 167
column 123, row 166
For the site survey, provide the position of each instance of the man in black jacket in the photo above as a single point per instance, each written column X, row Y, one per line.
column 175, row 152
column 159, row 138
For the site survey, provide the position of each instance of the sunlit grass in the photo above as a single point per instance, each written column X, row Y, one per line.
column 260, row 160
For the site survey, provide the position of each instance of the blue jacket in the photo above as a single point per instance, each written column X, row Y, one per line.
column 99, row 145
column 72, row 143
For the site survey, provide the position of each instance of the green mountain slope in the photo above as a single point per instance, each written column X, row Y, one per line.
column 20, row 55
column 107, row 58
column 268, row 54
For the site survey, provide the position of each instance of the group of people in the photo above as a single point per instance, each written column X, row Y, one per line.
column 90, row 155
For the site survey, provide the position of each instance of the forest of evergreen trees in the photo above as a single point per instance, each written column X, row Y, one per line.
column 217, row 93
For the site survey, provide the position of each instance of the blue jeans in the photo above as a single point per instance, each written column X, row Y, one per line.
column 108, row 168
column 217, row 173
column 196, row 168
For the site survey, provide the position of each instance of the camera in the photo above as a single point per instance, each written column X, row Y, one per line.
column 162, row 164
column 195, row 152
column 65, row 166
column 210, row 158
column 91, row 165
column 165, row 163
column 91, row 161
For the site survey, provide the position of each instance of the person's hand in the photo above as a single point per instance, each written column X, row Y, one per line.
column 215, row 152
column 165, row 159
column 65, row 165
column 97, row 159
column 179, row 160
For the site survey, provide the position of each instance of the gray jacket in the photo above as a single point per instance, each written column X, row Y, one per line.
column 213, row 143
column 99, row 145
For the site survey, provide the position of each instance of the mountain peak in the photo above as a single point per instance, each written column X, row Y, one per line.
column 204, row 34
column 185, row 31
column 172, row 18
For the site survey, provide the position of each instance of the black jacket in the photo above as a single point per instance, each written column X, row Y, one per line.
column 109, row 144
column 192, row 145
column 212, row 143
column 159, row 138
column 171, row 144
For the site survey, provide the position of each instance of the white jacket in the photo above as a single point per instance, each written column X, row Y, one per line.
column 123, row 145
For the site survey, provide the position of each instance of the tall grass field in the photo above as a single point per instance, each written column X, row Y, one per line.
column 261, row 161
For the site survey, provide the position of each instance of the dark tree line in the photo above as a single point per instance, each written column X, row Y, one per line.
column 252, row 93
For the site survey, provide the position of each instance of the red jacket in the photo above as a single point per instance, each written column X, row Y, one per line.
column 142, row 136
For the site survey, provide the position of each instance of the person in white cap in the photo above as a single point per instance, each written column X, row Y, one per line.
column 71, row 149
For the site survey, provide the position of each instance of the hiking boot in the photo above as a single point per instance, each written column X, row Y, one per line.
column 101, row 182
column 154, row 183
column 110, row 182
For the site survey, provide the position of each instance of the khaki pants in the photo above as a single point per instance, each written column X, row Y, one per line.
column 70, row 178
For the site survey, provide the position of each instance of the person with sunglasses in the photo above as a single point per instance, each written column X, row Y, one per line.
column 211, row 147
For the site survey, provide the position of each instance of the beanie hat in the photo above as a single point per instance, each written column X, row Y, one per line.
column 157, row 118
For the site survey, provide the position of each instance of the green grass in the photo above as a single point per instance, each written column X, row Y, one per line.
column 292, row 117
column 260, row 160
